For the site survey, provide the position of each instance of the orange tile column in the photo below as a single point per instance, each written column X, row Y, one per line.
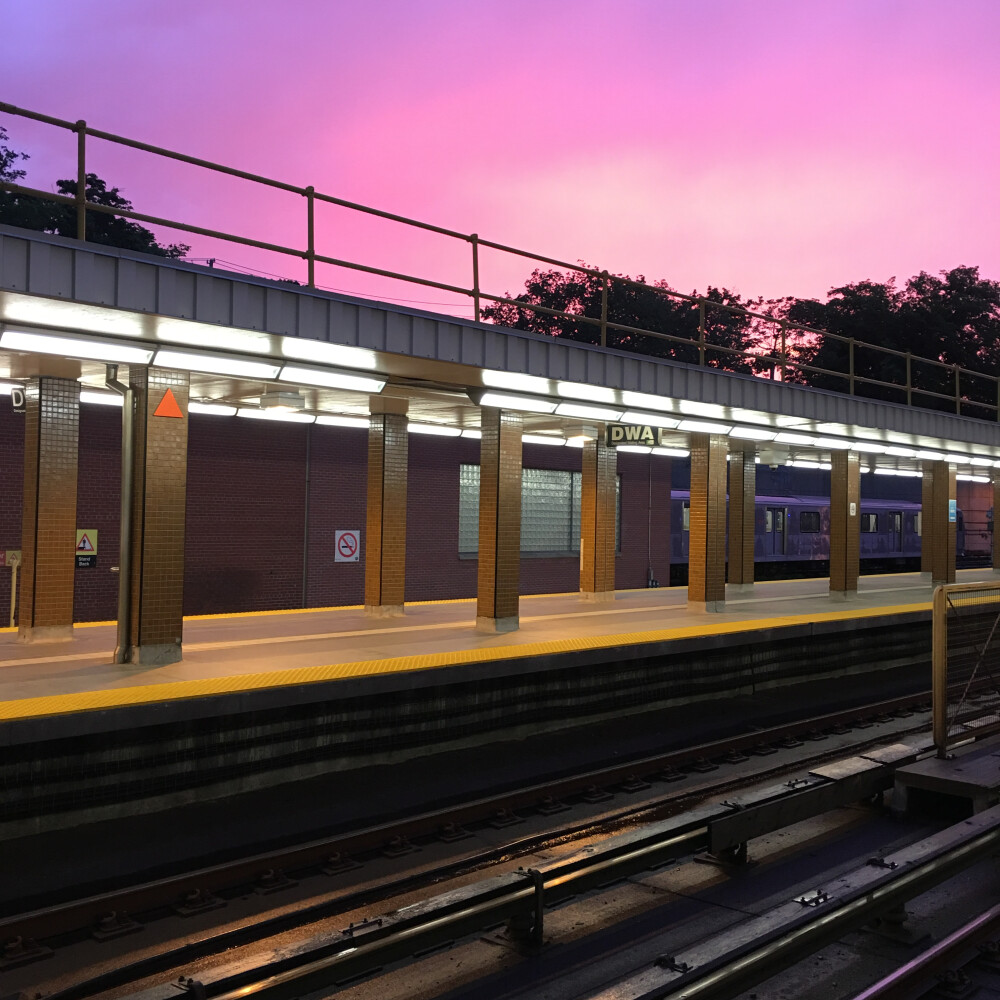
column 996, row 532
column 943, row 518
column 159, row 471
column 499, row 521
column 742, row 506
column 707, row 541
column 48, row 518
column 385, row 546
column 845, row 524
column 597, row 521
column 926, row 521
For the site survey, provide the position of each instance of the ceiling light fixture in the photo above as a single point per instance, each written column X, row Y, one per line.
column 211, row 409
column 594, row 393
column 587, row 412
column 215, row 364
column 652, row 419
column 282, row 416
column 703, row 427
column 331, row 379
column 514, row 381
column 441, row 430
column 91, row 349
column 521, row 403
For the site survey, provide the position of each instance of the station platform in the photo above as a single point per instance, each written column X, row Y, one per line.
column 229, row 654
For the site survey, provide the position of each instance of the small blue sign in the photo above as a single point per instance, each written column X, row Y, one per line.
column 952, row 510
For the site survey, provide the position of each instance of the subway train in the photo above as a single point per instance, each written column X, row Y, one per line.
column 792, row 536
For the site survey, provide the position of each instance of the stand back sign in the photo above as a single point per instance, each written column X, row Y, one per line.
column 86, row 548
column 347, row 545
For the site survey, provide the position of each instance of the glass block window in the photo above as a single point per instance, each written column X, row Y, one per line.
column 550, row 511
column 808, row 520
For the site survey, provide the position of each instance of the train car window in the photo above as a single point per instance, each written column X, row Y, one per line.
column 869, row 522
column 916, row 522
column 686, row 525
column 769, row 520
column 779, row 521
column 809, row 520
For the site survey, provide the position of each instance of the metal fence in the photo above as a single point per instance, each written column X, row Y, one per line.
column 966, row 659
column 863, row 369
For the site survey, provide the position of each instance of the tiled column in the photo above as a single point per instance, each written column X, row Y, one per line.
column 996, row 527
column 499, row 521
column 742, row 505
column 845, row 524
column 926, row 521
column 159, row 471
column 597, row 521
column 707, row 541
column 943, row 520
column 385, row 546
column 48, row 516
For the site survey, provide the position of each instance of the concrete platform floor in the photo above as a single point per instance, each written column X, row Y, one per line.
column 225, row 653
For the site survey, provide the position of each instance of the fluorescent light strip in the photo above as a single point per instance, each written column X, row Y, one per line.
column 832, row 444
column 958, row 459
column 867, row 447
column 592, row 393
column 788, row 437
column 330, row 379
column 211, row 409
column 328, row 420
column 549, row 439
column 280, row 416
column 525, row 403
column 216, row 364
column 101, row 398
column 75, row 347
column 672, row 452
column 982, row 461
column 646, row 401
column 472, row 433
column 905, row 473
column 587, row 412
column 323, row 353
column 514, row 381
column 638, row 449
column 900, row 452
column 653, row 419
column 702, row 427
column 578, row 440
column 695, row 409
column 753, row 433
column 798, row 464
column 972, row 479
column 7, row 387
column 441, row 430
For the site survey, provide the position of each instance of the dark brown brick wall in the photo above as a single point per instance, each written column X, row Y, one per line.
column 943, row 532
column 707, row 551
column 845, row 530
column 597, row 518
column 742, row 492
column 385, row 549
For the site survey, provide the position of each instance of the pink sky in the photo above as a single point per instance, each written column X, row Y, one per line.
column 771, row 146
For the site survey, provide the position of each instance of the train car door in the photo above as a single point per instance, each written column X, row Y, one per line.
column 774, row 531
column 895, row 531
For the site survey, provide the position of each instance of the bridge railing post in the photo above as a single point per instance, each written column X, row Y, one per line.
column 81, row 180
column 311, row 234
column 958, row 389
column 909, row 379
column 783, row 356
column 474, row 239
column 850, row 364
column 701, row 331
column 605, row 280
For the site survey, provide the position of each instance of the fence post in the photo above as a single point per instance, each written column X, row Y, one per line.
column 784, row 349
column 701, row 331
column 311, row 234
column 81, row 180
column 909, row 380
column 474, row 238
column 958, row 390
column 604, row 308
column 850, row 354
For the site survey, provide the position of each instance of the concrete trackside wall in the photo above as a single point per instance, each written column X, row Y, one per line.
column 265, row 499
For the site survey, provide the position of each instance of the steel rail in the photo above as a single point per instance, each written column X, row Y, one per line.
column 76, row 915
column 912, row 978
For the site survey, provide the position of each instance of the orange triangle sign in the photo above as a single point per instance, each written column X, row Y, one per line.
column 168, row 406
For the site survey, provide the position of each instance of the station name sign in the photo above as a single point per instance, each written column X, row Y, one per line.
column 635, row 434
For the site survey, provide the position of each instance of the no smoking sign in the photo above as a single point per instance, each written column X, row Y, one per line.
column 347, row 544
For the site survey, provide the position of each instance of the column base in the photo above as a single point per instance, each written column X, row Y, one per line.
column 598, row 596
column 156, row 654
column 941, row 583
column 496, row 625
column 843, row 595
column 384, row 610
column 710, row 607
column 739, row 588
column 45, row 633
column 925, row 576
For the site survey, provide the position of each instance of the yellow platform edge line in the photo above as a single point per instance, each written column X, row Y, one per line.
column 88, row 701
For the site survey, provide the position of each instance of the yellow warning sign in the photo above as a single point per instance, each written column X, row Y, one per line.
column 86, row 542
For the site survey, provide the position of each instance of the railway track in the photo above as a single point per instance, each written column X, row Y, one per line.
column 201, row 890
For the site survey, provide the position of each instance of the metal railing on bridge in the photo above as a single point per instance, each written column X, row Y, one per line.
column 966, row 663
column 911, row 379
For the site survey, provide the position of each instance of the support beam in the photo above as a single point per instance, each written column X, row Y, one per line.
column 159, row 496
column 499, row 521
column 845, row 524
column 48, row 516
column 926, row 521
column 742, row 508
column 707, row 542
column 996, row 527
column 942, row 519
column 597, row 521
column 385, row 547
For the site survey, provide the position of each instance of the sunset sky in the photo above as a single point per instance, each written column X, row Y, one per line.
column 770, row 146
